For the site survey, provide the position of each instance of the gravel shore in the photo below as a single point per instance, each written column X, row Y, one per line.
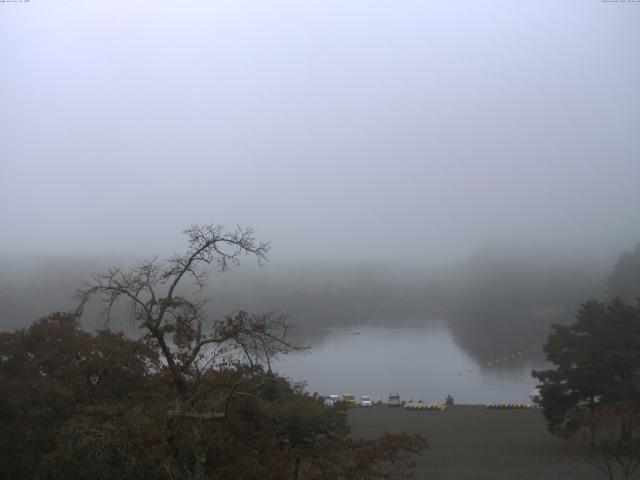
column 472, row 442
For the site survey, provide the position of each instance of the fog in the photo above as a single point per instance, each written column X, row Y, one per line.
column 475, row 162
column 417, row 201
column 361, row 132
column 494, row 302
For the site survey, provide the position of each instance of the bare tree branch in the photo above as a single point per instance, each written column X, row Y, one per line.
column 151, row 290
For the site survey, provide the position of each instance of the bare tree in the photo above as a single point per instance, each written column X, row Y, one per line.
column 175, row 324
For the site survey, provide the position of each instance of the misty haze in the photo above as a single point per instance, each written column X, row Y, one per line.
column 228, row 228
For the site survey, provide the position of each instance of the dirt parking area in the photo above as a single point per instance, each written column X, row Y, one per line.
column 472, row 442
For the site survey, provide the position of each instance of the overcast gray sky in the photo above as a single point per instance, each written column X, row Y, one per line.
column 338, row 129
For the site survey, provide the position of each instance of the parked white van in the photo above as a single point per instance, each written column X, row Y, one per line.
column 331, row 400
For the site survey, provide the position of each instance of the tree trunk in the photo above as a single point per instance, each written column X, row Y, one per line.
column 296, row 468
column 199, row 454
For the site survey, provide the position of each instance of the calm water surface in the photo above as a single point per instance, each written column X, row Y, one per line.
column 423, row 363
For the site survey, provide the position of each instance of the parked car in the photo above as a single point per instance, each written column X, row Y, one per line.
column 331, row 400
column 365, row 401
column 394, row 400
column 349, row 399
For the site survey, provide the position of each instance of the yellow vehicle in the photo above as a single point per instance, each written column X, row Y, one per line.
column 349, row 399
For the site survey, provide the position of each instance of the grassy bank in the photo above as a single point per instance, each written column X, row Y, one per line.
column 471, row 442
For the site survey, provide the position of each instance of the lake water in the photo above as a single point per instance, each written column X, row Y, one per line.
column 420, row 362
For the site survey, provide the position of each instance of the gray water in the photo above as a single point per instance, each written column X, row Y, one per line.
column 419, row 362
